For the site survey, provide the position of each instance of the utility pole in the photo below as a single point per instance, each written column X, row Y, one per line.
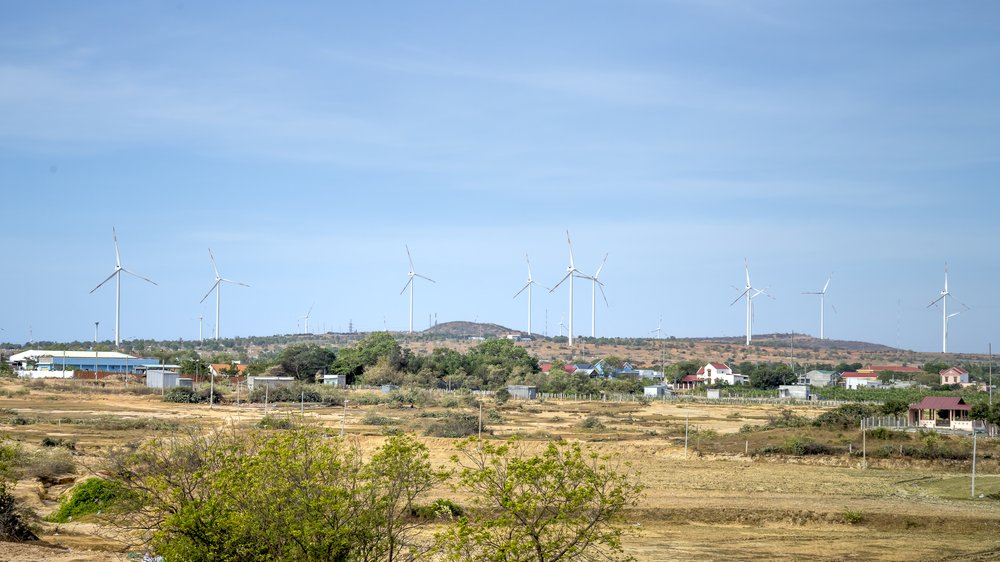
column 973, row 461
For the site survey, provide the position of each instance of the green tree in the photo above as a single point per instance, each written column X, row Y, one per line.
column 562, row 504
column 353, row 361
column 304, row 360
column 272, row 495
column 493, row 361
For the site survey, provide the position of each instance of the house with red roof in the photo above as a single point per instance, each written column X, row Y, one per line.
column 941, row 412
column 954, row 375
column 876, row 369
column 688, row 382
column 227, row 369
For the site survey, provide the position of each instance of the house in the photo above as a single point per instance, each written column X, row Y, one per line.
column 954, row 375
column 854, row 380
column 522, row 391
column 656, row 391
column 713, row 373
column 818, row 377
column 941, row 412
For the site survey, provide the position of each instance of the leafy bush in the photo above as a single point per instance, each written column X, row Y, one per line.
column 438, row 509
column 92, row 496
column 884, row 433
column 853, row 517
column 454, row 425
column 58, row 442
column 787, row 418
column 591, row 422
column 202, row 394
column 846, row 416
column 501, row 397
column 372, row 418
column 272, row 422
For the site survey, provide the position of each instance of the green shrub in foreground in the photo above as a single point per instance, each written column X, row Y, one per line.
column 93, row 496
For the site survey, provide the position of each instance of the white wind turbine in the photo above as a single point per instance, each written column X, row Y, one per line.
column 409, row 283
column 944, row 311
column 596, row 284
column 306, row 318
column 217, row 287
column 750, row 292
column 117, row 274
column 528, row 287
column 822, row 304
column 571, row 272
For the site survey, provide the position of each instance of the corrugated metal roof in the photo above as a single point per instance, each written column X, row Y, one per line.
column 36, row 353
column 940, row 403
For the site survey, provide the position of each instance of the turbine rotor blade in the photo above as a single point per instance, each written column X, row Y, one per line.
column 140, row 276
column 739, row 297
column 556, row 286
column 522, row 289
column 409, row 257
column 230, row 281
column 598, row 273
column 605, row 297
column 424, row 277
column 214, row 268
column 830, row 278
column 118, row 258
column 105, row 281
column 936, row 301
column 410, row 280
column 529, row 267
column 570, row 243
column 214, row 285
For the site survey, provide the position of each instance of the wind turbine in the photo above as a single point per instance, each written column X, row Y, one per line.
column 409, row 283
column 528, row 287
column 659, row 328
column 306, row 318
column 117, row 274
column 217, row 287
column 596, row 284
column 750, row 292
column 944, row 311
column 822, row 303
column 571, row 272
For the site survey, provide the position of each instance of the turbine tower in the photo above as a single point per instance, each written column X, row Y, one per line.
column 117, row 274
column 595, row 285
column 822, row 304
column 409, row 283
column 571, row 272
column 944, row 311
column 217, row 287
column 528, row 287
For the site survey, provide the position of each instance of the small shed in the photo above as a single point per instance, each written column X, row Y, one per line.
column 713, row 393
column 269, row 382
column 160, row 378
column 794, row 391
column 387, row 388
column 656, row 391
column 339, row 381
column 522, row 391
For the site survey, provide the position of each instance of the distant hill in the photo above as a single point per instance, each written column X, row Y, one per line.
column 802, row 341
column 461, row 329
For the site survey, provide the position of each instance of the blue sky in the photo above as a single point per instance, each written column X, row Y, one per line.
column 307, row 143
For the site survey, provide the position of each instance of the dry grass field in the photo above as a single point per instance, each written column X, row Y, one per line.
column 721, row 505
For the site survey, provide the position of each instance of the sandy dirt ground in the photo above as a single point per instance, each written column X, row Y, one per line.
column 696, row 507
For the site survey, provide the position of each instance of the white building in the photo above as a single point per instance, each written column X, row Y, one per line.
column 713, row 373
